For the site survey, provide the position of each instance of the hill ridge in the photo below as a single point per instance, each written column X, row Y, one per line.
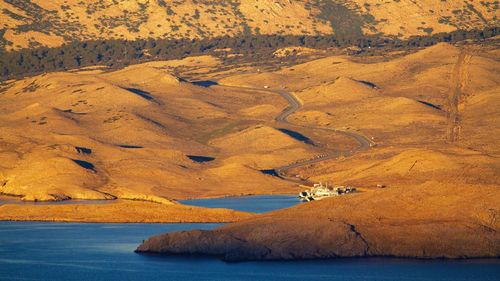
column 34, row 23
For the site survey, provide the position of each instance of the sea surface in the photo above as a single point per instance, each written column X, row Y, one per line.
column 80, row 251
column 254, row 204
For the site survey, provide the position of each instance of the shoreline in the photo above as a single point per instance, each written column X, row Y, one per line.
column 366, row 224
column 122, row 211
column 115, row 222
column 339, row 258
column 16, row 199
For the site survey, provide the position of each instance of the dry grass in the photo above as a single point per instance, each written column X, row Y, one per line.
column 127, row 134
column 51, row 23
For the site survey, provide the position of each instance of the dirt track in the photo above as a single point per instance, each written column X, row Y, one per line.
column 458, row 95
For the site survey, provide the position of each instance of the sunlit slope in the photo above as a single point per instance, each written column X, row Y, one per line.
column 396, row 100
column 128, row 134
column 432, row 115
column 51, row 23
column 432, row 221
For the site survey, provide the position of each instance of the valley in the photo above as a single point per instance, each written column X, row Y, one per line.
column 205, row 119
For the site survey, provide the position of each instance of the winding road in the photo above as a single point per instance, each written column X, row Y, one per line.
column 294, row 106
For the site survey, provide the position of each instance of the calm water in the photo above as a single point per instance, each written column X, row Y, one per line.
column 256, row 204
column 76, row 251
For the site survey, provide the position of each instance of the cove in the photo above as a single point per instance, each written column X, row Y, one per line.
column 87, row 251
column 254, row 203
column 78, row 251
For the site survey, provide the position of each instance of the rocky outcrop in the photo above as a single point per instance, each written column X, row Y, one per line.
column 423, row 222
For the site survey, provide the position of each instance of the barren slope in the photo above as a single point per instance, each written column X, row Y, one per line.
column 441, row 195
column 52, row 23
column 428, row 221
column 131, row 134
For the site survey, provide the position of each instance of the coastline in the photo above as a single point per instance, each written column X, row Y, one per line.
column 382, row 223
column 122, row 211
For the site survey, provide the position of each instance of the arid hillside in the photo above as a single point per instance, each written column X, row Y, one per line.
column 31, row 23
column 429, row 182
column 142, row 133
column 418, row 222
column 427, row 114
column 138, row 133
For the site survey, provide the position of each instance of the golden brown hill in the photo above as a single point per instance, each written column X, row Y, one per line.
column 340, row 91
column 401, row 167
column 52, row 23
column 137, row 133
column 427, row 221
column 257, row 139
column 433, row 118
column 134, row 133
column 262, row 147
column 404, row 106
column 128, row 133
column 403, row 100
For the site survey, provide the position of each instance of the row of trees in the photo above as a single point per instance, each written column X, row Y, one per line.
column 118, row 53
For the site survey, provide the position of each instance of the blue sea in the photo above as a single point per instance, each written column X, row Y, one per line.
column 81, row 251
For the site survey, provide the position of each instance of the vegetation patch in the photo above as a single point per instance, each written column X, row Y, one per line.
column 45, row 21
column 345, row 22
column 120, row 53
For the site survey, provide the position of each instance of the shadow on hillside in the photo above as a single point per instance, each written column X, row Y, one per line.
column 200, row 159
column 130, row 146
column 83, row 150
column 84, row 164
column 368, row 83
column 143, row 94
column 430, row 104
column 206, row 83
column 297, row 136
column 271, row 172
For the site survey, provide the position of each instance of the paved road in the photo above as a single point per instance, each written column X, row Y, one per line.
column 294, row 105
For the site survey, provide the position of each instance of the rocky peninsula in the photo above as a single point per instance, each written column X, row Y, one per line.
column 421, row 222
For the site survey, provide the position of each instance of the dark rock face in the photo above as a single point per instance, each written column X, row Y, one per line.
column 262, row 242
column 196, row 242
column 200, row 242
column 352, row 226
